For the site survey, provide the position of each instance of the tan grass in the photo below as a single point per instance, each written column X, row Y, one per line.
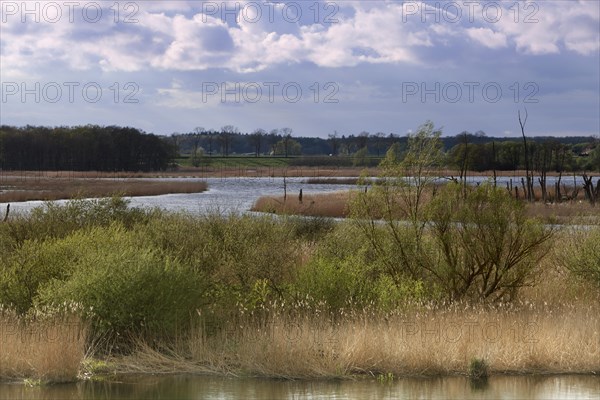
column 50, row 350
column 333, row 205
column 201, row 172
column 571, row 212
column 336, row 204
column 16, row 189
column 424, row 342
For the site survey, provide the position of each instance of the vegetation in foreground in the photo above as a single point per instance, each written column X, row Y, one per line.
column 403, row 287
column 289, row 298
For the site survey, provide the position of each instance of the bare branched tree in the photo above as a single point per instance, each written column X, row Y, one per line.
column 528, row 173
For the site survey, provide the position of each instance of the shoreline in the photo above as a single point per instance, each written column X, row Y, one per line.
column 47, row 189
column 367, row 376
column 337, row 205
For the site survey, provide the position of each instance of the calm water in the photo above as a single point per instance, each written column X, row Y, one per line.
column 238, row 194
column 223, row 194
column 199, row 387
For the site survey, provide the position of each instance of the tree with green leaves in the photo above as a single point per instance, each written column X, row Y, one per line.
column 397, row 198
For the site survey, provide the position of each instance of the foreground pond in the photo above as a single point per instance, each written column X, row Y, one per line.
column 202, row 387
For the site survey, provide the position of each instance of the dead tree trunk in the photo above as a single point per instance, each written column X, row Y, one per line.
column 557, row 193
column 528, row 174
column 494, row 162
column 588, row 187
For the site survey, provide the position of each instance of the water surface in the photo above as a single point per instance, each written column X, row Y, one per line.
column 223, row 194
column 202, row 387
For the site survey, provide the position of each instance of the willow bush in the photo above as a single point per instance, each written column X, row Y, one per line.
column 460, row 242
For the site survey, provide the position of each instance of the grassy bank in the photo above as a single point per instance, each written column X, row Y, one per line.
column 337, row 205
column 15, row 189
column 168, row 292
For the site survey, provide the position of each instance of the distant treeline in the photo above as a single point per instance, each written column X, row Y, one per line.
column 471, row 151
column 114, row 148
column 83, row 148
column 545, row 154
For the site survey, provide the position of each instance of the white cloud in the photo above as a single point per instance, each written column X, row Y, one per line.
column 177, row 36
column 488, row 37
column 554, row 24
column 370, row 51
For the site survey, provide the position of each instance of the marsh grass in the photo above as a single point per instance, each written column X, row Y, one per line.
column 337, row 205
column 571, row 212
column 333, row 181
column 422, row 342
column 48, row 350
column 15, row 190
column 331, row 205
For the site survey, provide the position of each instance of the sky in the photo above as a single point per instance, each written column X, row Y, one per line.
column 317, row 67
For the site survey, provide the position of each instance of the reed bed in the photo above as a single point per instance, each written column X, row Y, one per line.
column 332, row 205
column 333, row 181
column 337, row 204
column 202, row 172
column 423, row 342
column 15, row 189
column 49, row 349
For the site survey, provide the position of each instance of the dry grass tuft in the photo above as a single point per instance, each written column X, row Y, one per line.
column 50, row 350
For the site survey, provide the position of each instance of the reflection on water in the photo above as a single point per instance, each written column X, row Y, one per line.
column 201, row 387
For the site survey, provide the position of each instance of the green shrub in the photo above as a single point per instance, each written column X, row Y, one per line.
column 337, row 284
column 349, row 272
column 474, row 244
column 55, row 220
column 582, row 256
column 478, row 369
column 486, row 248
column 310, row 228
column 125, row 285
column 31, row 265
column 235, row 250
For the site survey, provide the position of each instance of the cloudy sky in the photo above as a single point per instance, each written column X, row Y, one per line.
column 314, row 66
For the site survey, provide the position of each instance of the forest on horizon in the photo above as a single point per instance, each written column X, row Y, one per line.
column 114, row 148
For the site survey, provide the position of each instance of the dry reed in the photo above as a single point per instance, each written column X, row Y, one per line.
column 202, row 172
column 56, row 189
column 337, row 205
column 50, row 350
column 424, row 342
column 334, row 205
